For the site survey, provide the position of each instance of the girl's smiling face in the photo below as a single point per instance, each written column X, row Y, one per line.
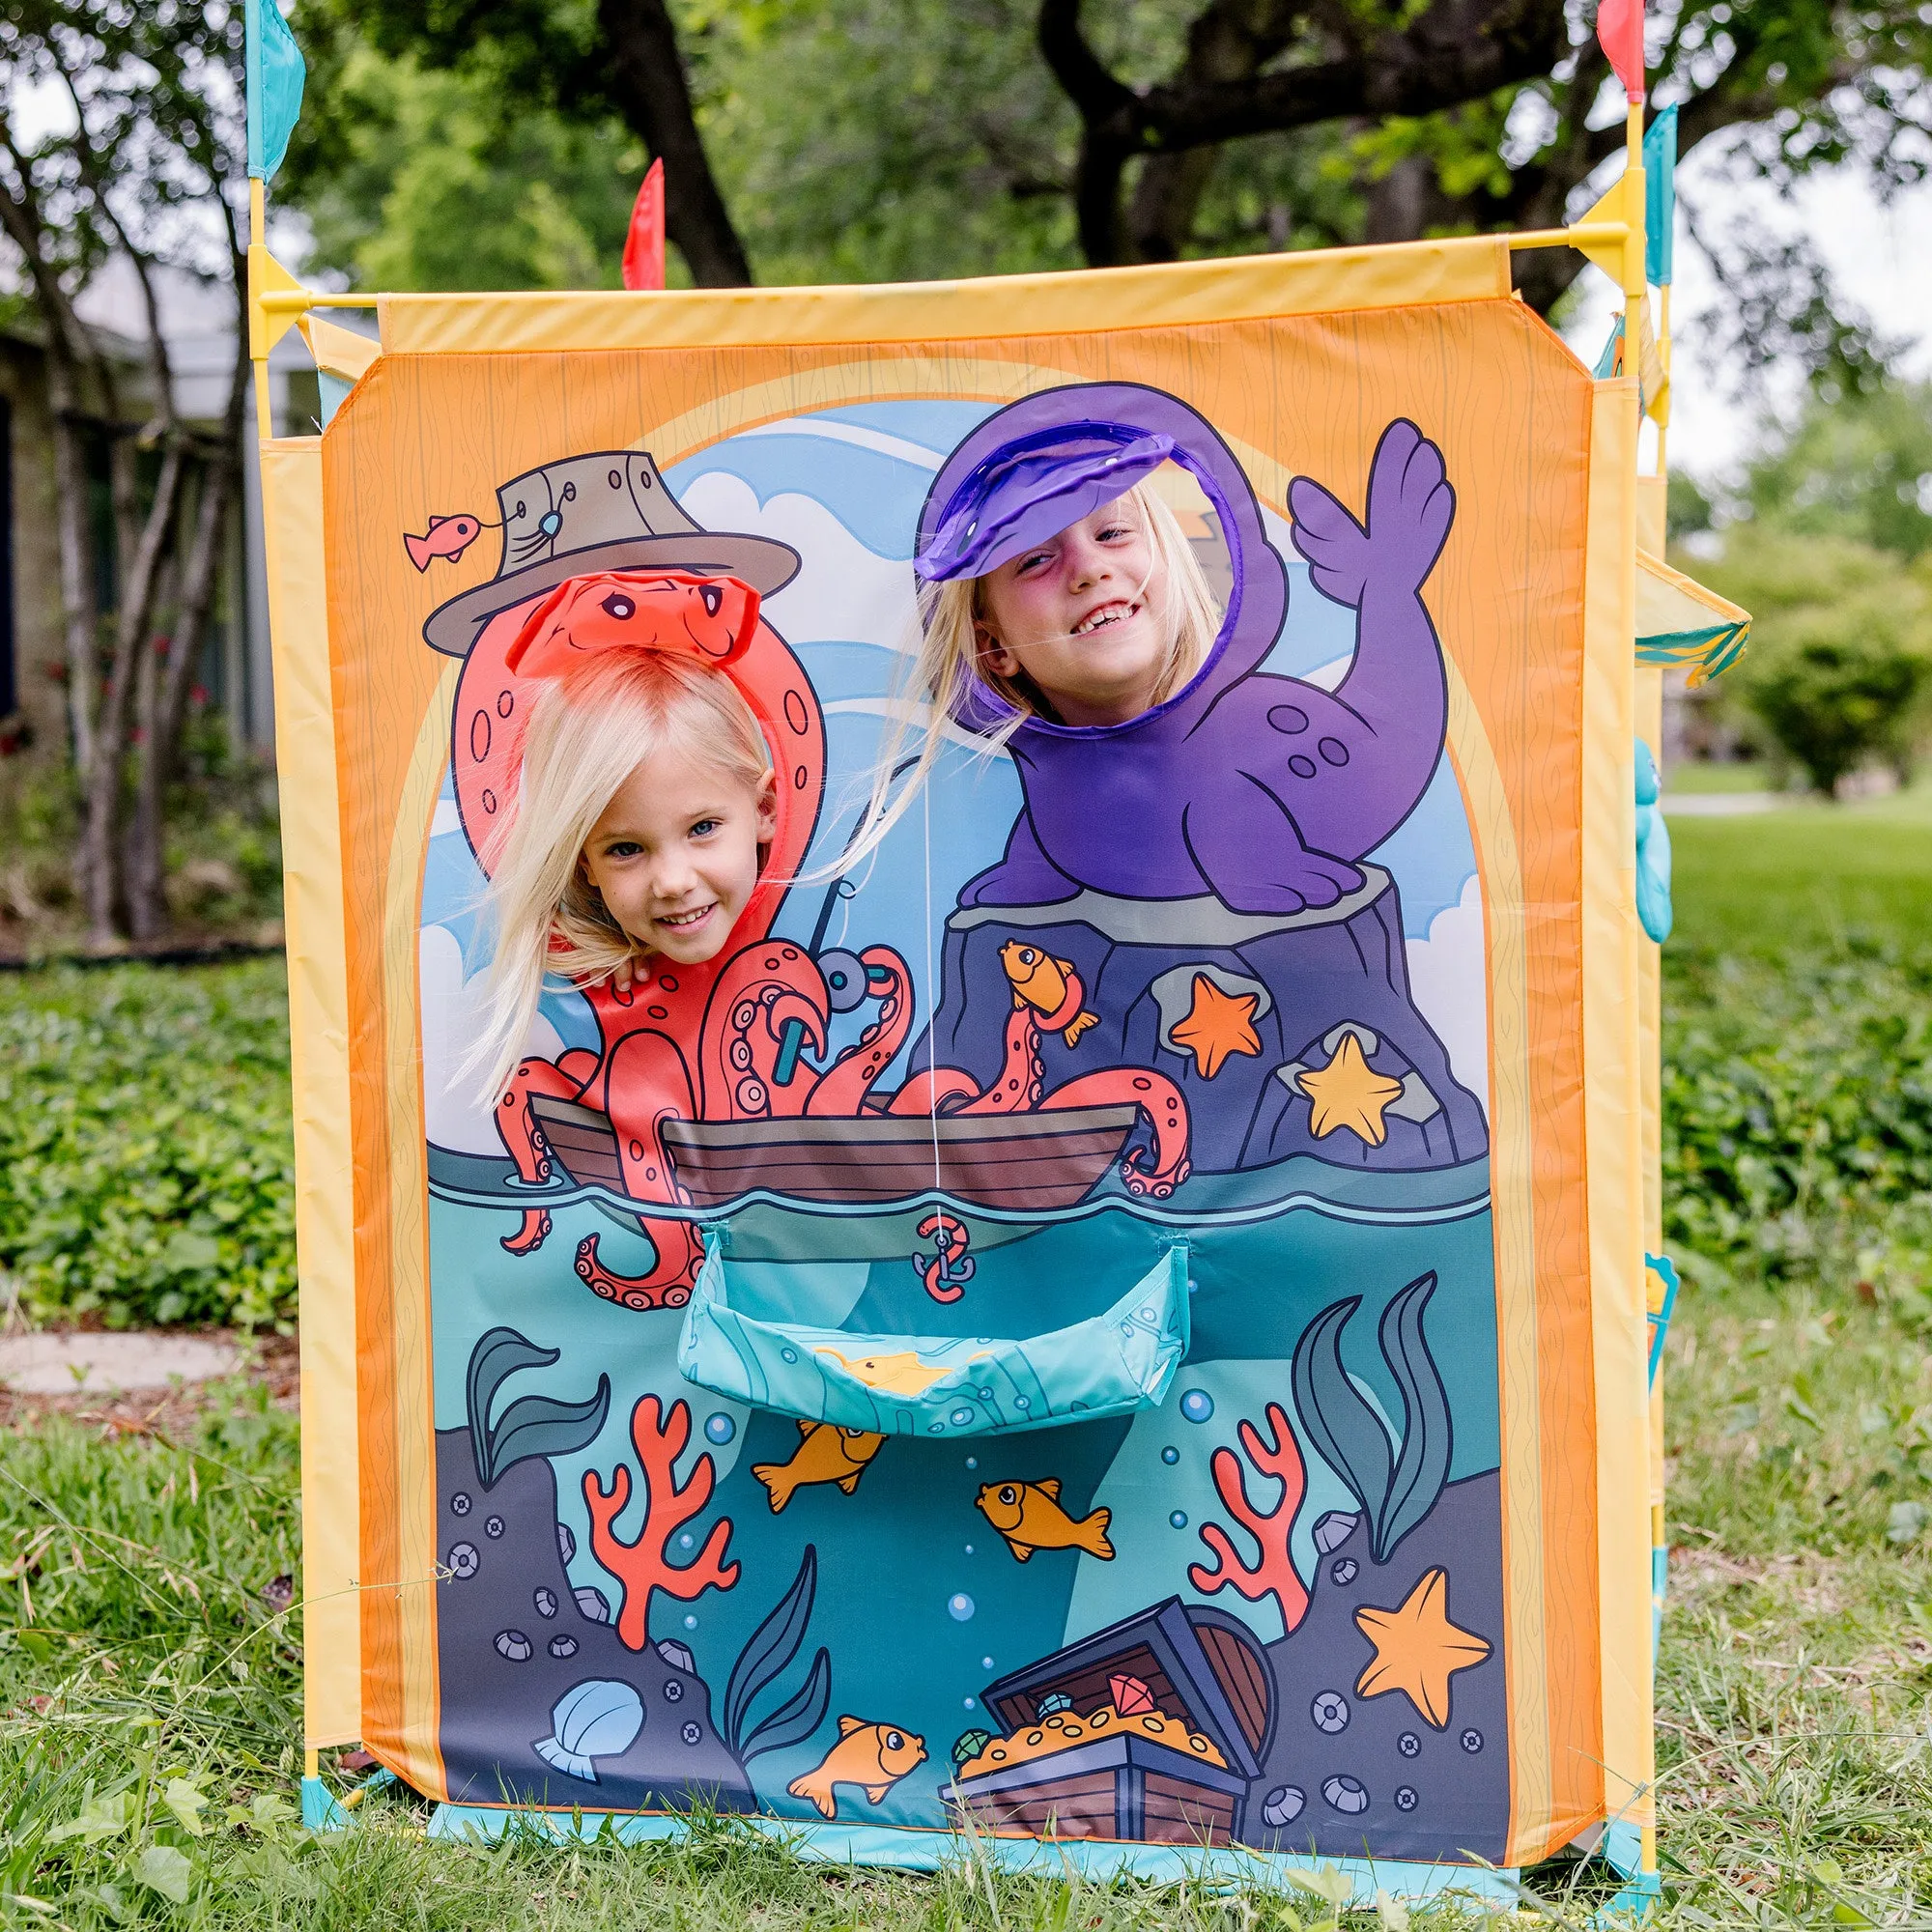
column 1083, row 616
column 675, row 855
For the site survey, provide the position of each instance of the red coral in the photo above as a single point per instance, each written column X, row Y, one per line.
column 1276, row 1569
column 641, row 1565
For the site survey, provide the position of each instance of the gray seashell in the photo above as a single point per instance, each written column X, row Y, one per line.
column 1404, row 1798
column 1472, row 1740
column 678, row 1656
column 1334, row 1530
column 673, row 1690
column 1342, row 1570
column 592, row 1603
column 1330, row 1711
column 567, row 1543
column 513, row 1645
column 1344, row 1795
column 459, row 1504
column 563, row 1646
column 1283, row 1804
column 493, row 1526
column 546, row 1602
column 692, row 1733
column 463, row 1560
column 1409, row 1745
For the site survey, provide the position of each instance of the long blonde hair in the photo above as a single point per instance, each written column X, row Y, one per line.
column 589, row 732
column 943, row 666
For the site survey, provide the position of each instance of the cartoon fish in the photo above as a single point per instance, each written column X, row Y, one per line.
column 874, row 1756
column 447, row 537
column 1050, row 986
column 897, row 1374
column 828, row 1454
column 1029, row 1516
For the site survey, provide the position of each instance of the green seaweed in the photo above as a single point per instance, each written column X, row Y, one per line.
column 766, row 1656
column 1396, row 1490
column 1427, row 1434
column 533, row 1425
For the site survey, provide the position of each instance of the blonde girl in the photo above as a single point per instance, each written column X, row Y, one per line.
column 645, row 808
column 1092, row 627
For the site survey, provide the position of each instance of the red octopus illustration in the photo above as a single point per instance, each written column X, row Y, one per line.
column 717, row 1033
column 1048, row 996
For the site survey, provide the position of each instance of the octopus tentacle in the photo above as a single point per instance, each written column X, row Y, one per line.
column 768, row 991
column 1160, row 1101
column 844, row 1088
column 524, row 1140
column 935, row 1089
column 666, row 1284
column 1022, row 1071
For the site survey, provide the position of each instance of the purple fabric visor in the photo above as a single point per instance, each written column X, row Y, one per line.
column 1034, row 488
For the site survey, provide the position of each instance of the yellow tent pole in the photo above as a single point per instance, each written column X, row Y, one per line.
column 258, row 347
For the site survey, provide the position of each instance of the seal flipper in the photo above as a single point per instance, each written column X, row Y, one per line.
column 1250, row 850
column 1024, row 876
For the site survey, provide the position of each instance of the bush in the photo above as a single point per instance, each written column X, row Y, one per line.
column 146, row 1158
column 1840, row 654
column 1797, row 1120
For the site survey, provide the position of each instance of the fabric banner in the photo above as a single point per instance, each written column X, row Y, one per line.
column 1161, row 1325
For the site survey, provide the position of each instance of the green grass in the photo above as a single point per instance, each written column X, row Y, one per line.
column 1804, row 877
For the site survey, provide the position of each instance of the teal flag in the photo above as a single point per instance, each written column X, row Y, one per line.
column 1659, row 184
column 275, row 75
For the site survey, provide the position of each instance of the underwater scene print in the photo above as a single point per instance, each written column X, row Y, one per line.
column 1013, row 1338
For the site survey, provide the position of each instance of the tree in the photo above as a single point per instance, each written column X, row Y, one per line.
column 896, row 137
column 148, row 169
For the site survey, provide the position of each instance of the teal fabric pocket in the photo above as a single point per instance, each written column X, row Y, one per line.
column 1108, row 1364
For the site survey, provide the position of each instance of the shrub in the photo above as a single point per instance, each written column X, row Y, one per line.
column 146, row 1155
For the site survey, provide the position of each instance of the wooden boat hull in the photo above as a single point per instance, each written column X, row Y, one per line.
column 1031, row 1162
column 1034, row 1163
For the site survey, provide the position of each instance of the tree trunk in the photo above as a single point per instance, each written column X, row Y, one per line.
column 79, row 620
column 146, row 898
column 99, row 872
column 649, row 84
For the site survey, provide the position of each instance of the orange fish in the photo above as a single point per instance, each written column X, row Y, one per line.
column 1029, row 1516
column 447, row 537
column 1050, row 986
column 828, row 1454
column 875, row 1756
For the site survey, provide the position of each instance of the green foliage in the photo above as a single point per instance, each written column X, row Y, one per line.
column 445, row 181
column 1857, row 467
column 1798, row 1118
column 1841, row 646
column 146, row 1161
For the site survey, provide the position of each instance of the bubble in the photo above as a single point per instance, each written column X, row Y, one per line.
column 985, row 1663
column 972, row 1462
column 691, row 1623
column 687, row 1541
column 720, row 1428
column 959, row 1607
column 969, row 1549
column 1170, row 1456
column 969, row 1704
column 1178, row 1519
column 1193, row 1285
column 1197, row 1404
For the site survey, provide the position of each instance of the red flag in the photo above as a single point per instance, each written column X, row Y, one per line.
column 645, row 245
column 1620, row 34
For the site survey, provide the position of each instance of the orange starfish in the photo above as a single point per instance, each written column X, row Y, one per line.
column 1418, row 1648
column 1347, row 1093
column 1217, row 1024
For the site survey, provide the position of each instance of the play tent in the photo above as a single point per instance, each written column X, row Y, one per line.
column 1118, row 1328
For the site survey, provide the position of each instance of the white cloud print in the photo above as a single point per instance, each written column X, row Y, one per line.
column 1449, row 979
column 456, row 1113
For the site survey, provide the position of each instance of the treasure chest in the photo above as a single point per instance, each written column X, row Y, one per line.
column 1150, row 1729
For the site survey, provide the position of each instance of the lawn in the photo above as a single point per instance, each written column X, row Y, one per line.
column 151, row 1685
